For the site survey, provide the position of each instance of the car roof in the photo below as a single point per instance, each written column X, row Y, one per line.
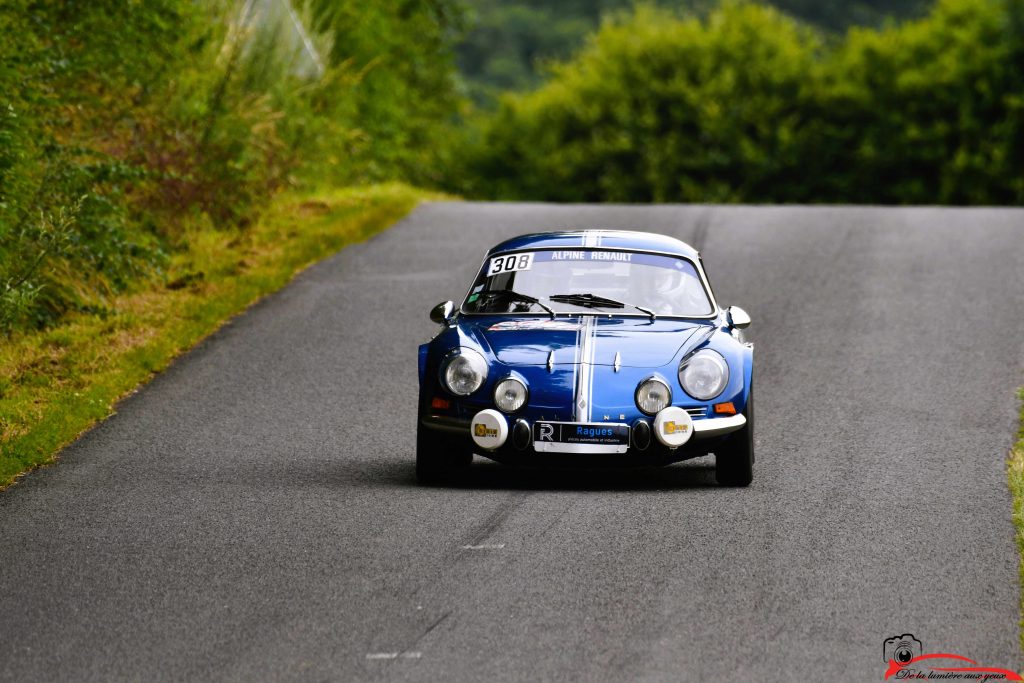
column 609, row 239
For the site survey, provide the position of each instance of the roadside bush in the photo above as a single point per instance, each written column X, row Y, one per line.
column 121, row 124
column 921, row 113
column 63, row 231
column 749, row 105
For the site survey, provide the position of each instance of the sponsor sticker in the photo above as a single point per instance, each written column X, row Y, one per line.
column 482, row 430
column 672, row 428
column 578, row 433
column 623, row 256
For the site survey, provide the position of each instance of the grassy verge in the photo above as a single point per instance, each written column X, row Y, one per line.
column 56, row 383
column 1015, row 470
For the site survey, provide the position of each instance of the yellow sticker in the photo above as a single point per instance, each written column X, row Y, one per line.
column 480, row 429
column 672, row 427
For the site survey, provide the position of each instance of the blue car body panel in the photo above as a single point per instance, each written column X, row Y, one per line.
column 545, row 353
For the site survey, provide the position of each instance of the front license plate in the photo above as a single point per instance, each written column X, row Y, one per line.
column 547, row 434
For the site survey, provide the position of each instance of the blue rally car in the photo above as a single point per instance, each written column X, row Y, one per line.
column 587, row 348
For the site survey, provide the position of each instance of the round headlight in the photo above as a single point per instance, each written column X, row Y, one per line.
column 464, row 372
column 704, row 374
column 652, row 395
column 509, row 395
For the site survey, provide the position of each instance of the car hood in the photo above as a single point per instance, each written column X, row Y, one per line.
column 639, row 342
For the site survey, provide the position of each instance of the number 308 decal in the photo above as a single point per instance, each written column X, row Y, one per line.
column 510, row 263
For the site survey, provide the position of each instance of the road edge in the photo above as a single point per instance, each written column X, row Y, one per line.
column 1015, row 476
column 58, row 383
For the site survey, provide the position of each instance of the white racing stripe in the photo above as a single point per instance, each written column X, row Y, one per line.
column 576, row 369
column 585, row 383
column 586, row 343
column 590, row 364
column 592, row 238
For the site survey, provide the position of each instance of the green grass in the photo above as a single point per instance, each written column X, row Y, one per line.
column 1015, row 470
column 57, row 383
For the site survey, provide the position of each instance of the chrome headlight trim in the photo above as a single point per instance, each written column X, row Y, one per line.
column 512, row 404
column 708, row 386
column 470, row 364
column 651, row 409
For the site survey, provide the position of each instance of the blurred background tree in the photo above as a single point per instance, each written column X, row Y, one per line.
column 745, row 103
column 406, row 92
column 508, row 42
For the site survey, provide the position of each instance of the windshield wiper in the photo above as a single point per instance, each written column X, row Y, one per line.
column 594, row 301
column 513, row 295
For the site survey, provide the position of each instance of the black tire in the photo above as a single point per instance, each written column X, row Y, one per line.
column 734, row 460
column 440, row 455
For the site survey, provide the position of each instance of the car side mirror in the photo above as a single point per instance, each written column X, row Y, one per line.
column 442, row 312
column 737, row 317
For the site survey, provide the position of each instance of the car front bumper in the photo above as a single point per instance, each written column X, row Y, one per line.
column 707, row 433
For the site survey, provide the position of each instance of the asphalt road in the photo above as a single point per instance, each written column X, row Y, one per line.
column 252, row 513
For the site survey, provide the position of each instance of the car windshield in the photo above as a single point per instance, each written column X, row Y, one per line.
column 585, row 280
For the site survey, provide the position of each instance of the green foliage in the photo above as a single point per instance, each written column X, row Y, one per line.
column 749, row 105
column 123, row 123
column 838, row 15
column 62, row 231
column 921, row 113
column 508, row 42
column 1015, row 474
column 651, row 111
column 405, row 100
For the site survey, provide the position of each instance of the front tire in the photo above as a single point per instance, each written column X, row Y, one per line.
column 439, row 456
column 734, row 461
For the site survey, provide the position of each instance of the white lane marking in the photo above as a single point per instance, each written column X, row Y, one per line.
column 394, row 655
column 485, row 546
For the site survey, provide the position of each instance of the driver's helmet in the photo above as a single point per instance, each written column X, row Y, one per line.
column 665, row 280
